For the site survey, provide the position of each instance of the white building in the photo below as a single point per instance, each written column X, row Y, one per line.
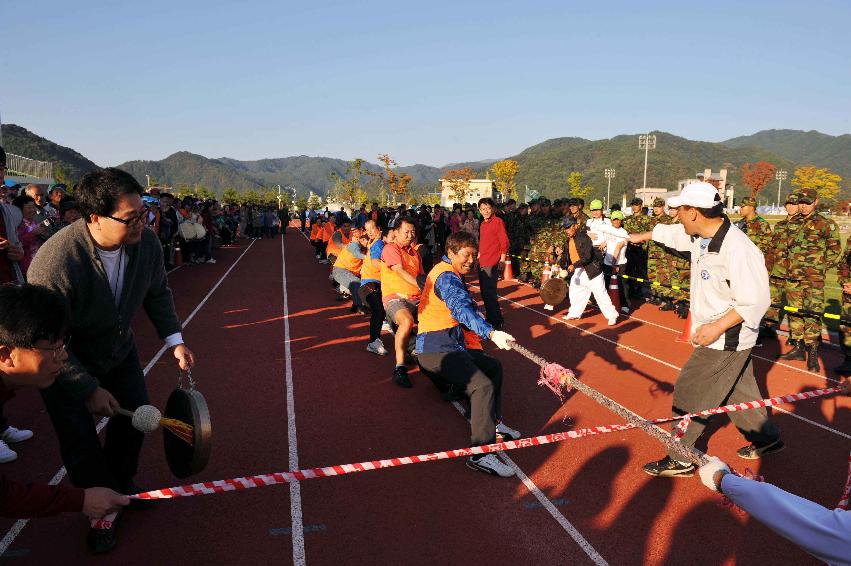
column 476, row 189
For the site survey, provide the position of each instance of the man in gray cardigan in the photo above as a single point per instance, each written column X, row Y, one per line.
column 106, row 266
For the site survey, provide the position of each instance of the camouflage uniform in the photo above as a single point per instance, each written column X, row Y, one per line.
column 534, row 225
column 813, row 249
column 636, row 254
column 518, row 240
column 844, row 273
column 758, row 230
column 778, row 261
column 680, row 270
column 547, row 245
column 657, row 257
column 581, row 219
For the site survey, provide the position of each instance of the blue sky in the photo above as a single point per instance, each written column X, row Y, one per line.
column 428, row 82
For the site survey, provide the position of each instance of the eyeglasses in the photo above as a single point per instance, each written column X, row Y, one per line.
column 61, row 348
column 138, row 218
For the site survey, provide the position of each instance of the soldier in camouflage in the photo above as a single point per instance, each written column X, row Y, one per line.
column 680, row 270
column 755, row 226
column 518, row 237
column 777, row 265
column 636, row 254
column 813, row 248
column 657, row 259
column 844, row 272
column 546, row 242
column 576, row 206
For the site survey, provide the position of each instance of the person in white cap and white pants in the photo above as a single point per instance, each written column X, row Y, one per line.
column 583, row 264
column 728, row 296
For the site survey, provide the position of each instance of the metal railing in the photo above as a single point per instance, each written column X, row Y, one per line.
column 18, row 165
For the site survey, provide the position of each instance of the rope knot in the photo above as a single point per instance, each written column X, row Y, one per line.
column 557, row 379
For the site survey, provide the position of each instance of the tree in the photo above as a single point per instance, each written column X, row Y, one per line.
column 459, row 181
column 574, row 181
column 389, row 179
column 251, row 197
column 314, row 201
column 823, row 180
column 349, row 190
column 230, row 196
column 757, row 175
column 301, row 203
column 203, row 193
column 505, row 172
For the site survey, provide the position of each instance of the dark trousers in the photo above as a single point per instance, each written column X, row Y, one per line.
column 370, row 293
column 488, row 277
column 636, row 266
column 88, row 463
column 480, row 376
column 711, row 378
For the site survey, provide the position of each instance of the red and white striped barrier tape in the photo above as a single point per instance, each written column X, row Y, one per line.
column 263, row 480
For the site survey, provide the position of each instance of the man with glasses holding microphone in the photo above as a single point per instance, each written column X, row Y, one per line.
column 105, row 269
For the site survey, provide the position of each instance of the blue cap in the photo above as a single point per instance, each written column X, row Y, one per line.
column 568, row 222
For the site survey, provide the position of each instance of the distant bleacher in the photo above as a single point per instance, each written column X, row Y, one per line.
column 25, row 170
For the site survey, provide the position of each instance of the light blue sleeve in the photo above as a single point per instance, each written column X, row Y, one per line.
column 354, row 249
column 451, row 291
column 824, row 533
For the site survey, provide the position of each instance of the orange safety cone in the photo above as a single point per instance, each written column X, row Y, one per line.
column 685, row 336
column 508, row 273
column 178, row 256
column 614, row 292
column 546, row 273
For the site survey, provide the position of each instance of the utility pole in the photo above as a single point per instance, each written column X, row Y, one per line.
column 646, row 142
column 780, row 176
column 610, row 174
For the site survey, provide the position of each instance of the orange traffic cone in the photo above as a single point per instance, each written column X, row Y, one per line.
column 508, row 273
column 685, row 336
column 546, row 274
column 614, row 292
column 178, row 256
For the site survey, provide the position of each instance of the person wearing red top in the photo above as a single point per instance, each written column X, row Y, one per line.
column 493, row 245
column 33, row 326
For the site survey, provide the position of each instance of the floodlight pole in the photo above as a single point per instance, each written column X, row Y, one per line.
column 780, row 176
column 646, row 142
column 610, row 173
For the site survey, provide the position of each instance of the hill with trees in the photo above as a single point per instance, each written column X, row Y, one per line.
column 71, row 164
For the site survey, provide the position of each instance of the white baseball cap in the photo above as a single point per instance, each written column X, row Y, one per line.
column 698, row 195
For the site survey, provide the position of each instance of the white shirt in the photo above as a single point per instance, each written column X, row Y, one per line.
column 598, row 236
column 729, row 274
column 615, row 236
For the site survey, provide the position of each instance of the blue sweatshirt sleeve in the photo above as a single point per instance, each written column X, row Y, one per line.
column 824, row 533
column 376, row 249
column 451, row 291
column 354, row 249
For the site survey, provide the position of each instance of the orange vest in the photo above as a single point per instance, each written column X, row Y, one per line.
column 368, row 269
column 314, row 232
column 345, row 260
column 392, row 283
column 327, row 230
column 433, row 313
column 333, row 248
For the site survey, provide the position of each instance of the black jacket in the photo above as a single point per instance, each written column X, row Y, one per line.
column 590, row 257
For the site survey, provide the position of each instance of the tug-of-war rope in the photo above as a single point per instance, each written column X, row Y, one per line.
column 556, row 378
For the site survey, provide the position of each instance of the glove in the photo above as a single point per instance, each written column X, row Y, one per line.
column 707, row 472
column 563, row 274
column 501, row 339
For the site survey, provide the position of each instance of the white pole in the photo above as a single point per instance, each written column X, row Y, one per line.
column 608, row 192
column 646, row 152
column 779, row 184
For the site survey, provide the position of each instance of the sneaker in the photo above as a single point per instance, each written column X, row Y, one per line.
column 490, row 464
column 667, row 467
column 400, row 377
column 323, row 261
column 754, row 452
column 612, row 321
column 505, row 432
column 625, row 310
column 385, row 327
column 377, row 347
column 101, row 537
column 211, row 260
column 568, row 317
column 12, row 435
column 6, row 453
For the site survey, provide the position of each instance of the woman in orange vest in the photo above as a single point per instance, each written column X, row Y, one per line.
column 448, row 341
column 347, row 267
column 370, row 287
column 316, row 230
column 327, row 231
column 400, row 267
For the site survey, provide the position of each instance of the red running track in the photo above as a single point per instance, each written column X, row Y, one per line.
column 347, row 410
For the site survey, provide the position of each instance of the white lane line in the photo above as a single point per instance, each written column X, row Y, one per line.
column 19, row 525
column 548, row 505
column 655, row 359
column 292, row 438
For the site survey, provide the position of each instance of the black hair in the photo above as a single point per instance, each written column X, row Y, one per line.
column 487, row 200
column 404, row 220
column 2, row 157
column 99, row 191
column 713, row 212
column 510, row 201
column 29, row 313
column 460, row 240
column 21, row 200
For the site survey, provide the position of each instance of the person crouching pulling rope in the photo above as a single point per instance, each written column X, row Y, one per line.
column 448, row 345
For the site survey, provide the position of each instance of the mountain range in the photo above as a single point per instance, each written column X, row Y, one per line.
column 543, row 167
